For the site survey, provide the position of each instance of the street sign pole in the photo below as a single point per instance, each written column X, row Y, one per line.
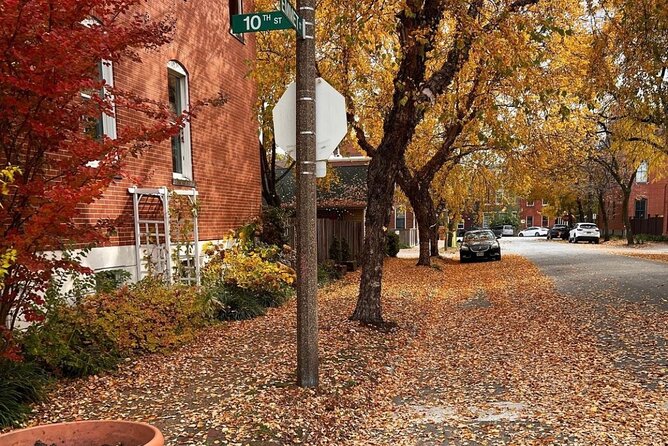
column 306, row 242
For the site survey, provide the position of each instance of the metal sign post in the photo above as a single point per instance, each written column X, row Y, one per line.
column 307, row 277
column 306, row 244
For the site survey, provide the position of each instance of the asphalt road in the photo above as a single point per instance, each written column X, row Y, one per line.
column 587, row 270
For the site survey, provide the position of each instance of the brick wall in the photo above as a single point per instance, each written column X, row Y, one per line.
column 224, row 140
column 535, row 212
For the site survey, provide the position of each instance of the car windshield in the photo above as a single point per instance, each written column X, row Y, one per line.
column 479, row 236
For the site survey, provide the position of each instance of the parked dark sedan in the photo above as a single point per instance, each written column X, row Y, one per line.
column 558, row 231
column 479, row 245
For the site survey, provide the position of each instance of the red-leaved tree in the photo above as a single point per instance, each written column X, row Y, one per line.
column 51, row 95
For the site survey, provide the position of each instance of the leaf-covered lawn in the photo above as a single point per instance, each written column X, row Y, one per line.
column 484, row 354
column 660, row 257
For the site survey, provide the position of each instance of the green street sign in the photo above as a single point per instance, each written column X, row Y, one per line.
column 291, row 14
column 260, row 21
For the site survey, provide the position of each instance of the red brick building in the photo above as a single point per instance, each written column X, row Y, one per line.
column 648, row 205
column 531, row 214
column 214, row 160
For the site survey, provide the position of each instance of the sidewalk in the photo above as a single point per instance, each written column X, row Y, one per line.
column 414, row 252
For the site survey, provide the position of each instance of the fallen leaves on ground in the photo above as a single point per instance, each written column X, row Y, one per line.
column 485, row 353
column 661, row 257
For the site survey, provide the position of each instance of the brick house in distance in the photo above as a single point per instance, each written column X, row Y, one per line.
column 531, row 214
column 648, row 205
column 214, row 162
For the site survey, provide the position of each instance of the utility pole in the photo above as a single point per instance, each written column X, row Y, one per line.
column 306, row 243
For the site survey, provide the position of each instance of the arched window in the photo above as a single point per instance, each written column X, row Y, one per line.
column 177, row 87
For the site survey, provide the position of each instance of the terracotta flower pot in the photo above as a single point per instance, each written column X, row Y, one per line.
column 88, row 433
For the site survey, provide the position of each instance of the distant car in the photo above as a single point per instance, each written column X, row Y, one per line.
column 479, row 245
column 533, row 231
column 503, row 230
column 584, row 232
column 558, row 231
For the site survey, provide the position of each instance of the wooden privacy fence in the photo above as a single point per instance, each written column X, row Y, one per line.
column 649, row 226
column 327, row 229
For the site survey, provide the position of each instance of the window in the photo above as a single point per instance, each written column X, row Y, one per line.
column 400, row 217
column 546, row 221
column 177, row 85
column 104, row 124
column 529, row 220
column 530, row 203
column 641, row 208
column 499, row 197
column 641, row 173
column 544, row 202
column 97, row 127
column 236, row 7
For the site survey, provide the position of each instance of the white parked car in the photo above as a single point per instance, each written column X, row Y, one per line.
column 584, row 232
column 533, row 231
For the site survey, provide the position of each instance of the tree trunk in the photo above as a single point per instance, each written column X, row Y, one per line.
column 581, row 215
column 625, row 215
column 380, row 193
column 604, row 216
column 425, row 212
column 434, row 239
column 268, row 177
column 425, row 252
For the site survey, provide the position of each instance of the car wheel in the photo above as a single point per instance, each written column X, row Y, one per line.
column 462, row 260
column 520, row 235
column 499, row 257
column 575, row 239
column 536, row 234
column 596, row 242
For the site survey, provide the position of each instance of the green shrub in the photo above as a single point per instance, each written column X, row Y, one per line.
column 274, row 222
column 241, row 281
column 69, row 343
column 150, row 316
column 230, row 302
column 256, row 268
column 642, row 238
column 111, row 280
column 21, row 383
column 392, row 244
column 92, row 335
column 328, row 272
column 335, row 250
column 339, row 250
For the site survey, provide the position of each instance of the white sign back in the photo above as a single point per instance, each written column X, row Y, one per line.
column 331, row 122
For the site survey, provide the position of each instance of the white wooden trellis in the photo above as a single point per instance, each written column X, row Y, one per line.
column 153, row 245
